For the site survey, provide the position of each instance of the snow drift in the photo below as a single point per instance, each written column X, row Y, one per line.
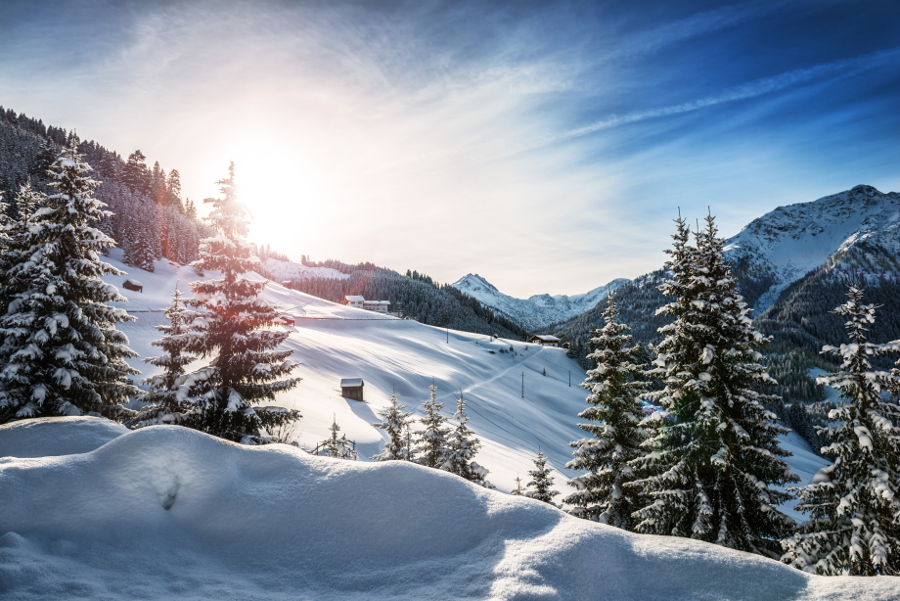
column 167, row 512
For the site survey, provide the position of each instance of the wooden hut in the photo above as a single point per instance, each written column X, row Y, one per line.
column 352, row 388
column 544, row 339
column 133, row 285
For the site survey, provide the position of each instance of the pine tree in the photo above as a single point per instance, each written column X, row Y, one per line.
column 173, row 190
column 166, row 402
column 854, row 504
column 339, row 448
column 61, row 352
column 396, row 425
column 517, row 491
column 432, row 441
column 540, row 486
column 711, row 470
column 603, row 494
column 235, row 327
column 461, row 448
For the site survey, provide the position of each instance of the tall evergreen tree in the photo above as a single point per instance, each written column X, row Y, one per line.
column 61, row 352
column 517, row 491
column 166, row 402
column 541, row 485
column 135, row 174
column 603, row 493
column 854, row 504
column 711, row 470
column 235, row 327
column 173, row 190
column 396, row 425
column 461, row 448
column 431, row 442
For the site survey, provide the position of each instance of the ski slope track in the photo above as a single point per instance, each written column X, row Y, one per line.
column 170, row 513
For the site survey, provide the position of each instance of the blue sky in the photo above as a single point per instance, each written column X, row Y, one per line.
column 545, row 145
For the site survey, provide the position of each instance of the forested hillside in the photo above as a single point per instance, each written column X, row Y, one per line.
column 150, row 219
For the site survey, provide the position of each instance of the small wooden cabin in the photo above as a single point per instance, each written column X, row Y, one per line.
column 133, row 285
column 352, row 388
column 544, row 339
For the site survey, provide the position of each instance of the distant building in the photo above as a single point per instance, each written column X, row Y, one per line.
column 544, row 339
column 133, row 285
column 352, row 388
column 378, row 306
column 355, row 301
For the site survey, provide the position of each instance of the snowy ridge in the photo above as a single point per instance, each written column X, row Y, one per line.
column 536, row 311
column 861, row 226
column 226, row 521
column 288, row 270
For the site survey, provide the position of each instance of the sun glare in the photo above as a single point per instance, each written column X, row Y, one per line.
column 281, row 189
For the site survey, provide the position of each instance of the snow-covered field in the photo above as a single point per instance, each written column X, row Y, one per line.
column 170, row 513
column 84, row 500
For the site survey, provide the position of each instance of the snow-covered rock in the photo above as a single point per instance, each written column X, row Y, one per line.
column 165, row 512
column 536, row 311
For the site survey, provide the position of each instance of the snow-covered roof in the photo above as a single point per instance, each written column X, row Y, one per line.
column 355, row 299
column 546, row 337
column 133, row 282
column 378, row 302
column 351, row 382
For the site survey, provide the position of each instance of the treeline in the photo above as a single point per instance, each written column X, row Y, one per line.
column 417, row 298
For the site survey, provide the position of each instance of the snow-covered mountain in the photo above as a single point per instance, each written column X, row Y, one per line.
column 288, row 270
column 536, row 311
column 858, row 227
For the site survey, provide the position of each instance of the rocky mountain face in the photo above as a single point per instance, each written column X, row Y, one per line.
column 790, row 265
column 537, row 311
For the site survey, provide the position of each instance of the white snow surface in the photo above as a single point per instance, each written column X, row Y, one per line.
column 170, row 513
column 288, row 270
column 53, row 436
column 536, row 311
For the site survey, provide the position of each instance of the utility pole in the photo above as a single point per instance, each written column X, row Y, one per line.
column 523, row 384
column 570, row 378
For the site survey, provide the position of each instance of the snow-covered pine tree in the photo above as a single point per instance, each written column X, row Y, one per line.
column 710, row 472
column 854, row 504
column 517, row 491
column 339, row 448
column 432, row 441
column 237, row 328
column 166, row 403
column 541, row 485
column 461, row 448
column 61, row 352
column 396, row 425
column 615, row 414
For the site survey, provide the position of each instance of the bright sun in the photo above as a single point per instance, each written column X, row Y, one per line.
column 280, row 187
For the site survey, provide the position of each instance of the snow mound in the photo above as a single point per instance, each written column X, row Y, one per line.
column 52, row 436
column 165, row 512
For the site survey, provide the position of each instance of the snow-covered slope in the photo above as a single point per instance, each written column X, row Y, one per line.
column 169, row 513
column 861, row 225
column 288, row 270
column 536, row 311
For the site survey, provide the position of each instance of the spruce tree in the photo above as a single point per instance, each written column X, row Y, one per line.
column 461, row 448
column 61, row 352
column 517, row 491
column 339, row 448
column 431, row 442
column 396, row 425
column 166, row 401
column 603, row 494
column 709, row 473
column 236, row 328
column 540, row 486
column 854, row 504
